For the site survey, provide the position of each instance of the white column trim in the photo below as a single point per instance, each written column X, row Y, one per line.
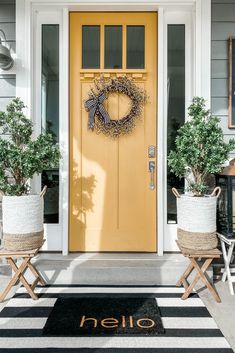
column 198, row 48
column 203, row 50
column 160, row 127
column 64, row 130
column 206, row 51
column 23, row 53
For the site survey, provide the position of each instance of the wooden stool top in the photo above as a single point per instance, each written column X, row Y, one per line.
column 214, row 253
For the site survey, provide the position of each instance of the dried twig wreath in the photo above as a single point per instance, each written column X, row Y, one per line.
column 99, row 119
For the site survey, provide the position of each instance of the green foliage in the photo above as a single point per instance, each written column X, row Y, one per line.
column 21, row 157
column 200, row 148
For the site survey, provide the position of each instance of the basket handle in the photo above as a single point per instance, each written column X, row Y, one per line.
column 216, row 192
column 175, row 192
column 42, row 193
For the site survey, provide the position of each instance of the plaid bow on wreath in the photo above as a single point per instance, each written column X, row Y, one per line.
column 95, row 106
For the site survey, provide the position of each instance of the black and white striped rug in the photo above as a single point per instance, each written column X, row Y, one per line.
column 189, row 328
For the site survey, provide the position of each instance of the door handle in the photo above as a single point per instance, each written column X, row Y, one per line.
column 151, row 171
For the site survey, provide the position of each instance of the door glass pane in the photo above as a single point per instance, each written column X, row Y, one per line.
column 113, row 47
column 90, row 47
column 50, row 114
column 135, row 47
column 176, row 106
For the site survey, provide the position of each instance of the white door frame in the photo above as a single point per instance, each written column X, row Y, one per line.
column 27, row 14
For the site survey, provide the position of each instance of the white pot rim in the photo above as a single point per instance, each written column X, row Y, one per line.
column 19, row 196
column 198, row 197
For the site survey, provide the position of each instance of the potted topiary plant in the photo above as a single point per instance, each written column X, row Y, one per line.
column 200, row 151
column 21, row 157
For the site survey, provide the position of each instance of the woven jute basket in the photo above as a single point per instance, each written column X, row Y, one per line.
column 22, row 222
column 197, row 220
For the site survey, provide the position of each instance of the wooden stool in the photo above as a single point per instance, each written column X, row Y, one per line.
column 194, row 256
column 228, row 258
column 26, row 256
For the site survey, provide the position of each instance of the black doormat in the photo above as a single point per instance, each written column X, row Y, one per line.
column 110, row 316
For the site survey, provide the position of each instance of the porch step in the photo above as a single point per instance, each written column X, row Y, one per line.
column 112, row 269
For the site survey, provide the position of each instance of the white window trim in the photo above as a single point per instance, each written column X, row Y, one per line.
column 27, row 10
column 185, row 19
column 53, row 232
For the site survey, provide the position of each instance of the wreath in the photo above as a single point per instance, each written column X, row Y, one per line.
column 99, row 119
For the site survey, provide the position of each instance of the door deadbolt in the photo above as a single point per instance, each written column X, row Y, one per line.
column 151, row 151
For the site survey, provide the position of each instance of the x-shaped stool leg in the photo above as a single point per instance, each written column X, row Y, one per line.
column 183, row 278
column 200, row 275
column 19, row 275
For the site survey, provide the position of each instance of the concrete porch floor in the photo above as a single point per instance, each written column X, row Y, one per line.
column 111, row 268
column 128, row 269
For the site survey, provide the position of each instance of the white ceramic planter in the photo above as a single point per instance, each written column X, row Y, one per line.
column 22, row 222
column 197, row 221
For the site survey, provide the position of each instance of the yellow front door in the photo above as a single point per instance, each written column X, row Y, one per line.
column 112, row 207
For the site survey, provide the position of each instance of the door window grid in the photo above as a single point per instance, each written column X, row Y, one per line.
column 113, row 47
column 91, row 47
column 135, row 47
column 131, row 56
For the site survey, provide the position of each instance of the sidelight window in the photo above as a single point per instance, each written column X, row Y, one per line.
column 176, row 105
column 50, row 114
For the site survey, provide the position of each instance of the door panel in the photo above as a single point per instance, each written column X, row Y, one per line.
column 111, row 205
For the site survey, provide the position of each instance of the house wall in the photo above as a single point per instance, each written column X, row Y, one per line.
column 223, row 26
column 7, row 24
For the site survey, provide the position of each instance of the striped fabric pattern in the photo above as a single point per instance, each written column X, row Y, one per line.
column 188, row 324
